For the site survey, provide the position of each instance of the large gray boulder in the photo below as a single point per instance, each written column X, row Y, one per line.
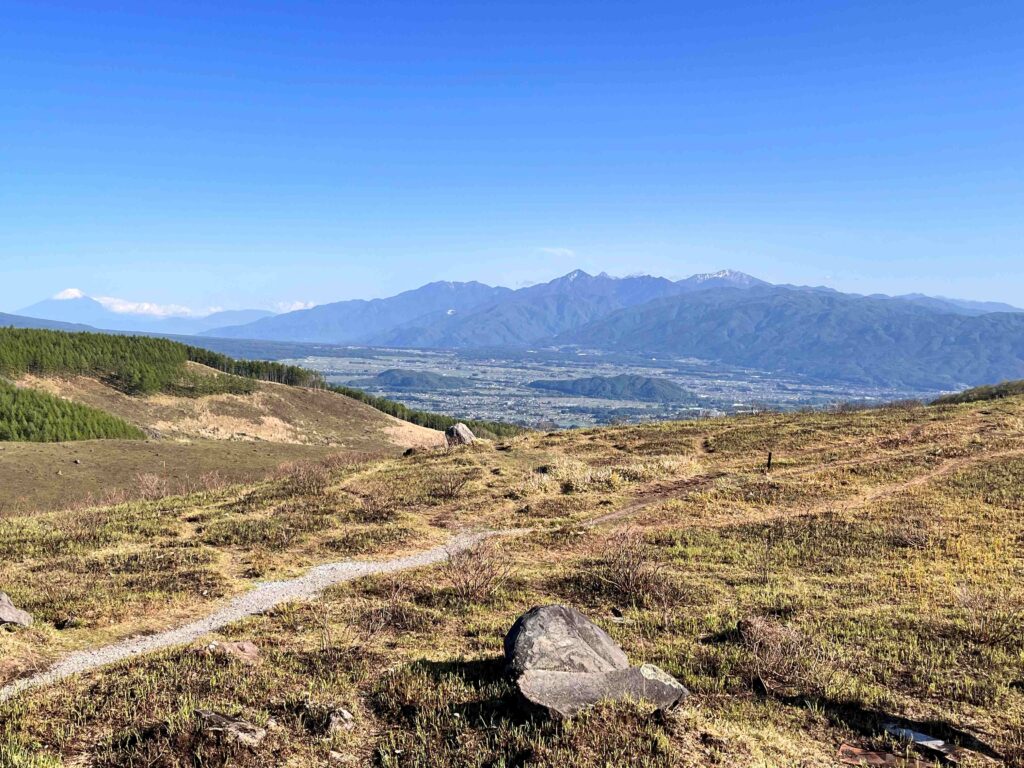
column 565, row 663
column 459, row 434
column 11, row 615
column 558, row 638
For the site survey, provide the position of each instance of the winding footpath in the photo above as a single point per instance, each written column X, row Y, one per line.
column 270, row 594
column 256, row 601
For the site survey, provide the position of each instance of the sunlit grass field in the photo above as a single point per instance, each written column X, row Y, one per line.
column 875, row 573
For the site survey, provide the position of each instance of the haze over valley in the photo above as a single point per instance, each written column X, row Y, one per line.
column 714, row 343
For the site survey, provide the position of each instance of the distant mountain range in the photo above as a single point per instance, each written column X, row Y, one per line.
column 72, row 306
column 913, row 341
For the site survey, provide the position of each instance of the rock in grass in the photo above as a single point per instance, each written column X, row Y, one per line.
column 459, row 434
column 340, row 720
column 244, row 651
column 11, row 615
column 230, row 730
column 560, row 639
column 566, row 663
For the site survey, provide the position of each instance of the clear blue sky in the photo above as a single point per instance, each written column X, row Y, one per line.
column 242, row 154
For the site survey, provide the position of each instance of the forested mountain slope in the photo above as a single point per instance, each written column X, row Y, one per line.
column 829, row 336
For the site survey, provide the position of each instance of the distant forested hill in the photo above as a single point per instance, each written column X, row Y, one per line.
column 415, row 381
column 622, row 387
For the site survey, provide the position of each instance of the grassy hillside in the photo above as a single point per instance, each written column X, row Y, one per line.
column 874, row 574
column 28, row 415
column 980, row 394
column 481, row 428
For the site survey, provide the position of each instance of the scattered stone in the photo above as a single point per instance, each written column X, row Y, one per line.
column 11, row 615
column 566, row 663
column 230, row 730
column 244, row 651
column 459, row 434
column 78, row 461
column 340, row 720
column 69, row 621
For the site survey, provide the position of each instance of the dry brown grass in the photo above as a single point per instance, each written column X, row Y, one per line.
column 847, row 563
column 476, row 575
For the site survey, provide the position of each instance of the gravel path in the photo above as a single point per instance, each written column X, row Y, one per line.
column 256, row 601
column 266, row 596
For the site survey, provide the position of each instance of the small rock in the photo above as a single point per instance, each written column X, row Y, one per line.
column 78, row 461
column 11, row 615
column 340, row 720
column 459, row 434
column 69, row 621
column 230, row 730
column 244, row 651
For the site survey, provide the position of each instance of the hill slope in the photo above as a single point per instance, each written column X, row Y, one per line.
column 271, row 412
column 869, row 578
column 824, row 335
column 353, row 322
column 33, row 416
column 422, row 381
column 623, row 387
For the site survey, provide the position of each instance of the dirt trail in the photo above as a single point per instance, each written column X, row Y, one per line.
column 270, row 594
column 256, row 601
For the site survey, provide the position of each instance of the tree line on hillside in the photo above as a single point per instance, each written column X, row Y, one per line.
column 263, row 370
column 34, row 416
column 137, row 365
column 143, row 365
column 978, row 394
column 488, row 429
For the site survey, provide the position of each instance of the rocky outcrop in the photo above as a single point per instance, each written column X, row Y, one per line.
column 565, row 663
column 459, row 434
column 11, row 615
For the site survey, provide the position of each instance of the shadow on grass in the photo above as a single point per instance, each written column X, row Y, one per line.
column 499, row 699
column 870, row 723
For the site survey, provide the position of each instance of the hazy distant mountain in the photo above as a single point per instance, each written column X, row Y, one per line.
column 73, row 306
column 532, row 314
column 460, row 315
column 959, row 306
column 830, row 336
column 354, row 322
column 913, row 341
column 622, row 387
column 18, row 321
column 727, row 278
column 77, row 308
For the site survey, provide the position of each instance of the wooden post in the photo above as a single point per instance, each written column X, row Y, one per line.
column 769, row 462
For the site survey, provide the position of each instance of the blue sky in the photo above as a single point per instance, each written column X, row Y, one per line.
column 248, row 154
